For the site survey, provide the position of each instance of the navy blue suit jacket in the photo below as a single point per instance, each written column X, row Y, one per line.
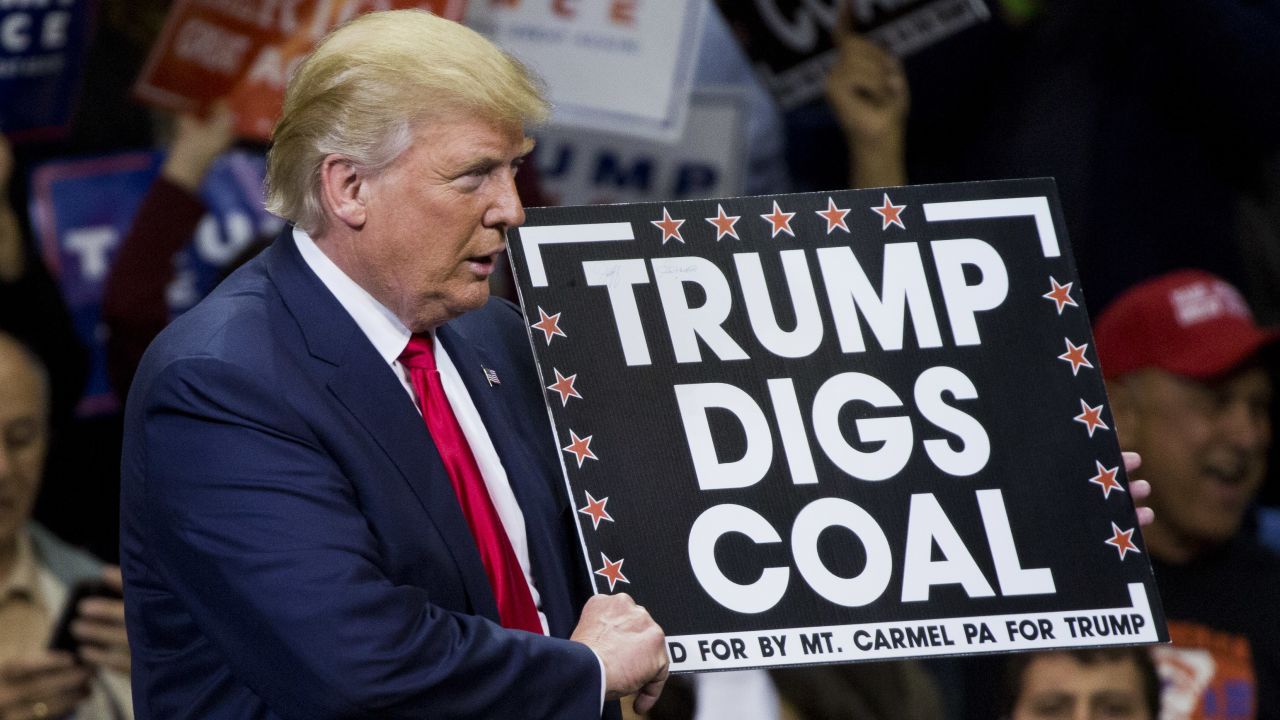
column 291, row 544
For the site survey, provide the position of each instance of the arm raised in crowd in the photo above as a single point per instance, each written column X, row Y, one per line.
column 133, row 304
column 867, row 90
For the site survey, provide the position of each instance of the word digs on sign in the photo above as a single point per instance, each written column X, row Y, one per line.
column 841, row 426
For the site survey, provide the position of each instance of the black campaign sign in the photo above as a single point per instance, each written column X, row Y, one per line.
column 837, row 426
column 791, row 45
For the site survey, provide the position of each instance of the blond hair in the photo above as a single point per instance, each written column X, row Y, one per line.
column 366, row 85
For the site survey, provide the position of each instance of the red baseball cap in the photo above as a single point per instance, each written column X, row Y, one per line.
column 1188, row 322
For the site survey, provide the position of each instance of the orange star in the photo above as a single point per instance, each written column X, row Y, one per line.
column 781, row 221
column 564, row 386
column 1060, row 294
column 580, row 448
column 834, row 216
column 1121, row 540
column 724, row 224
column 1106, row 479
column 890, row 214
column 548, row 324
column 595, row 510
column 613, row 571
column 1091, row 417
column 669, row 226
column 1075, row 356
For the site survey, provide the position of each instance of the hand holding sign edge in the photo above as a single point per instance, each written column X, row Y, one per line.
column 629, row 644
column 1139, row 489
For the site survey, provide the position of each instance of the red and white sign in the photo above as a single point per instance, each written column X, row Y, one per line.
column 245, row 51
column 618, row 66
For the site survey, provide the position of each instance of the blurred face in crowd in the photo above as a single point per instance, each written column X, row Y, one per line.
column 436, row 217
column 23, row 436
column 1057, row 686
column 1204, row 447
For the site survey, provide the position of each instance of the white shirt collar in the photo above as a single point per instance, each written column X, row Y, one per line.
column 388, row 335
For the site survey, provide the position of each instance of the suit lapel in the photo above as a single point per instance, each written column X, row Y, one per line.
column 368, row 388
column 386, row 411
column 530, row 486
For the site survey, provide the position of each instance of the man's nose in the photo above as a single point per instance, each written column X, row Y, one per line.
column 507, row 210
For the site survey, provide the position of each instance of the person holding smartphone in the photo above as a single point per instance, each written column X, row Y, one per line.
column 48, row 590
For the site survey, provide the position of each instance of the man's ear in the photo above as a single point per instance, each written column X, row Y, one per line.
column 342, row 189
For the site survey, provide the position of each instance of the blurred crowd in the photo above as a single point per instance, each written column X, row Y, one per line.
column 1160, row 122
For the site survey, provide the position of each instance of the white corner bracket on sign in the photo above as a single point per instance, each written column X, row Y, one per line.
column 1036, row 207
column 533, row 238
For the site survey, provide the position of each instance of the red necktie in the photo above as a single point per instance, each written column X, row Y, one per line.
column 510, row 589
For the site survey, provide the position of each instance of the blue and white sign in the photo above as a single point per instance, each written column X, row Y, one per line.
column 83, row 209
column 580, row 167
column 42, row 49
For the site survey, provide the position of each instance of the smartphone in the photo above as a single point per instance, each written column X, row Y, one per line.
column 62, row 639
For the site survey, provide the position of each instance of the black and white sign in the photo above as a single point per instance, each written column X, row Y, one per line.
column 791, row 43
column 841, row 426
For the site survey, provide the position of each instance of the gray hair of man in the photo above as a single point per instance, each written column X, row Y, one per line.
column 369, row 83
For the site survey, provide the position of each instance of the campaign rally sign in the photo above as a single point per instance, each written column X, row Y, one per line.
column 245, row 51
column 833, row 427
column 584, row 167
column 791, row 40
column 42, row 48
column 621, row 66
column 82, row 210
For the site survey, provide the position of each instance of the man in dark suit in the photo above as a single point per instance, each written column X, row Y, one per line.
column 340, row 493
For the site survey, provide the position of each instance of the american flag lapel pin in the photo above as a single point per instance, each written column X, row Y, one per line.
column 491, row 376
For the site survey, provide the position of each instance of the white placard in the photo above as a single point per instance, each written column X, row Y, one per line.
column 579, row 167
column 624, row 66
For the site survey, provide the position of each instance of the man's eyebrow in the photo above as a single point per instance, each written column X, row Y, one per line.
column 488, row 163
